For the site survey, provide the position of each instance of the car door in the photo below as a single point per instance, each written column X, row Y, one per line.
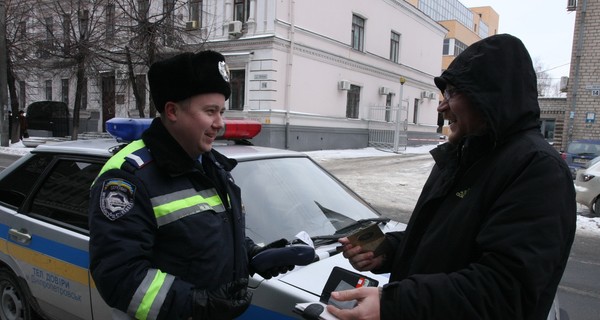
column 48, row 237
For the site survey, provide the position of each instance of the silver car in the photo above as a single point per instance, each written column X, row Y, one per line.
column 587, row 185
column 44, row 258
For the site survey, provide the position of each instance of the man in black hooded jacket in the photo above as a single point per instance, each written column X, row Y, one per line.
column 491, row 233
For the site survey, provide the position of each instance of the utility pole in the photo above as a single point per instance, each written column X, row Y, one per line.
column 3, row 81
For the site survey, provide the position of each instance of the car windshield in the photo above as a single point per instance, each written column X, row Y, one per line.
column 584, row 148
column 284, row 196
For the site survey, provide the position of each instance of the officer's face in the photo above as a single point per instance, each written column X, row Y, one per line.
column 197, row 122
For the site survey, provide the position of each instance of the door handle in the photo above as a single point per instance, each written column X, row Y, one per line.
column 20, row 236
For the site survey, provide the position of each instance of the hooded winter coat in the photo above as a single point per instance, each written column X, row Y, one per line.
column 491, row 233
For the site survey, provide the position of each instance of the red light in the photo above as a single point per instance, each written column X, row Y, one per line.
column 240, row 129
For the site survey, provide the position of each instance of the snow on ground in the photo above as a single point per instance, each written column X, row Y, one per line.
column 17, row 149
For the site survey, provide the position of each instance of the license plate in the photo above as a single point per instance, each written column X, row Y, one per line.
column 580, row 160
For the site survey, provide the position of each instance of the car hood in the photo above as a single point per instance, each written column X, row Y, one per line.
column 312, row 278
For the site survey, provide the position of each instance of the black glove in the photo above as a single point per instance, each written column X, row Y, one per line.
column 226, row 302
column 272, row 272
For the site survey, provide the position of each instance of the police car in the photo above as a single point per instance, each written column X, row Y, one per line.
column 44, row 256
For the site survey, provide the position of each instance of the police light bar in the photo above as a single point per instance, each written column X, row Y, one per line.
column 239, row 129
column 129, row 129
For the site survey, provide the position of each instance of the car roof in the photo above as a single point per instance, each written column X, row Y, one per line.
column 103, row 148
column 592, row 141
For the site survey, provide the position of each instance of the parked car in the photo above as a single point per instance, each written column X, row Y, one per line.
column 44, row 260
column 587, row 185
column 579, row 152
column 48, row 119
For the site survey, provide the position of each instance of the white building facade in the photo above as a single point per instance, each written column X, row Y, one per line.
column 317, row 74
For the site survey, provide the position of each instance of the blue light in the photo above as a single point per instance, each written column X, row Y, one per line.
column 127, row 129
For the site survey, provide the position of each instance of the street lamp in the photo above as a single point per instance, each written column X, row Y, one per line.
column 399, row 117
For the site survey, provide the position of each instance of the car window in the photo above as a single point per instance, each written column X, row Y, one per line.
column 584, row 148
column 285, row 196
column 15, row 187
column 64, row 193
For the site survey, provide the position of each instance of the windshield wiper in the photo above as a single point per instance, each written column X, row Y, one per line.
column 343, row 232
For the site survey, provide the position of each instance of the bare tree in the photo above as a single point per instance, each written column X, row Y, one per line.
column 154, row 35
column 544, row 81
column 18, row 46
column 70, row 36
column 80, row 38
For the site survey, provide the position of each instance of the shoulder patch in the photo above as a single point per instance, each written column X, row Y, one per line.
column 116, row 198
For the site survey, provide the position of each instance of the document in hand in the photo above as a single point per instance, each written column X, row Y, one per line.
column 339, row 279
column 369, row 238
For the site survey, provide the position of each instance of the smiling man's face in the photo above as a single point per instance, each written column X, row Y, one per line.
column 463, row 118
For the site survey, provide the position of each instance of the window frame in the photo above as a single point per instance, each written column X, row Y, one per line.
column 395, row 46
column 358, row 33
column 53, row 161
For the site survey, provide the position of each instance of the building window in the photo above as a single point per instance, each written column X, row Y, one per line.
column 388, row 107
column 394, row 46
column 110, row 21
column 241, row 10
column 352, row 102
column 416, row 112
column 22, row 30
column 196, row 11
column 65, row 90
column 84, row 19
column 238, row 81
column 547, row 126
column 48, row 89
column 49, row 21
column 446, row 47
column 143, row 6
column 66, row 26
column 358, row 33
column 169, row 17
column 459, row 47
column 448, row 10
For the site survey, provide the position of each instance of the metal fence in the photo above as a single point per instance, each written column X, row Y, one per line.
column 388, row 128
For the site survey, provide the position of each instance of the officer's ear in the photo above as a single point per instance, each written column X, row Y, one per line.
column 171, row 111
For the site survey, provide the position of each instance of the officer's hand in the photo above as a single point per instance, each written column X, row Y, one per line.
column 226, row 302
column 275, row 271
column 272, row 272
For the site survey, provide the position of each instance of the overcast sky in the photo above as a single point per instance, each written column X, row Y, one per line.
column 545, row 27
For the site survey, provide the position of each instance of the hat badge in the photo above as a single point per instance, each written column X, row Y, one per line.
column 224, row 70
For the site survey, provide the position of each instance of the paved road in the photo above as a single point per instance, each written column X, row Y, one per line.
column 393, row 184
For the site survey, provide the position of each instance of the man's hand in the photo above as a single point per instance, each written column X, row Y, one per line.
column 366, row 309
column 359, row 259
column 226, row 302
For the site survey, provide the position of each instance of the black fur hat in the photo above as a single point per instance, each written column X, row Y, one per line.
column 186, row 75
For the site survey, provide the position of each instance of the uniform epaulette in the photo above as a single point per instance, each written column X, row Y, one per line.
column 139, row 158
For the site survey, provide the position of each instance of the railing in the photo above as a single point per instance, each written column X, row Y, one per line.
column 387, row 128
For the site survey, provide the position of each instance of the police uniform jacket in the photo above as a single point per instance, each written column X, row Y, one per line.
column 491, row 233
column 162, row 225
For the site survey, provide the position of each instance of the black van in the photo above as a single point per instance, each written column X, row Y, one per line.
column 50, row 117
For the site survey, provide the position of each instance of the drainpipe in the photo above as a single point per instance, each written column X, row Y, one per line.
column 288, row 75
column 578, row 53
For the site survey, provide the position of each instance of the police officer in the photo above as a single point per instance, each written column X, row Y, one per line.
column 167, row 228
